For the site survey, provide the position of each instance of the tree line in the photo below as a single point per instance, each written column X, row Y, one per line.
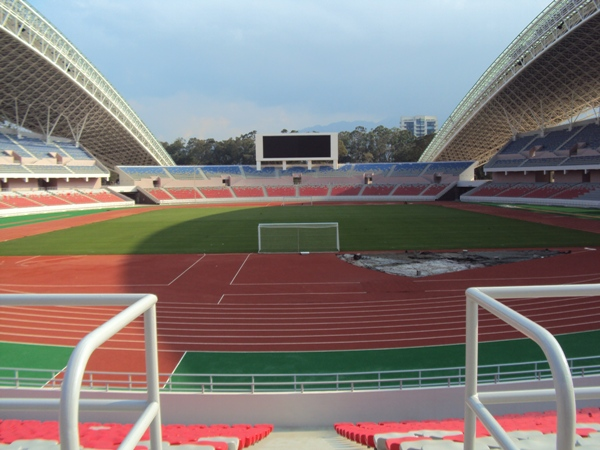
column 380, row 144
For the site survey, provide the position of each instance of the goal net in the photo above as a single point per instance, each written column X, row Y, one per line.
column 298, row 237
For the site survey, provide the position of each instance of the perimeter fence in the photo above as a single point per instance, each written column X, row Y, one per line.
column 300, row 383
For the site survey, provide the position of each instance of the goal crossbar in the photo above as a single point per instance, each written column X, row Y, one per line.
column 298, row 237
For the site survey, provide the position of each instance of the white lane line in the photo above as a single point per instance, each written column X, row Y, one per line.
column 239, row 270
column 186, row 270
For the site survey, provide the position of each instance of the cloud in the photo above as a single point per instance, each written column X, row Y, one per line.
column 184, row 115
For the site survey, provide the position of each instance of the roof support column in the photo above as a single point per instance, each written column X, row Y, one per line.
column 20, row 123
column 78, row 130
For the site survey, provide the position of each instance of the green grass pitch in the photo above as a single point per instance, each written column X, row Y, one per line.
column 234, row 230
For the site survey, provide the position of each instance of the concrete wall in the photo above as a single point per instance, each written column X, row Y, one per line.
column 302, row 410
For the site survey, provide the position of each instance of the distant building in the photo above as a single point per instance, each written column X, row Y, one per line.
column 419, row 125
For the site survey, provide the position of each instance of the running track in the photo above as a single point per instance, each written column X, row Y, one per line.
column 250, row 302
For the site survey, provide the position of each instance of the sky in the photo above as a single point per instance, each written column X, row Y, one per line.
column 222, row 68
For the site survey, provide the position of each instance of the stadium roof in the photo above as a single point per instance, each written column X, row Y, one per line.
column 49, row 87
column 548, row 75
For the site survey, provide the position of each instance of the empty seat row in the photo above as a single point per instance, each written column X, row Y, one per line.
column 110, row 435
column 537, row 428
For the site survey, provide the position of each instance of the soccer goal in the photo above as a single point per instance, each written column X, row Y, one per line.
column 298, row 237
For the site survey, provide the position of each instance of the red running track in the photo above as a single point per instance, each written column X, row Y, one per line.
column 251, row 302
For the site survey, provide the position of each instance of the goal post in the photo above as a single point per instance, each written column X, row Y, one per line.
column 298, row 237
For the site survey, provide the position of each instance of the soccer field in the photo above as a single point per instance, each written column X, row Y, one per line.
column 234, row 230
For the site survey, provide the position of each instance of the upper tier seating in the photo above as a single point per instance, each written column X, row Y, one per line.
column 450, row 168
column 185, row 173
column 265, row 172
column 516, row 146
column 582, row 160
column 13, row 168
column 590, row 135
column 381, row 168
column 72, row 151
column 505, row 163
column 554, row 140
column 408, row 170
column 7, row 143
column 292, row 170
column 35, row 147
column 219, row 171
column 141, row 172
column 43, row 169
column 96, row 170
column 539, row 162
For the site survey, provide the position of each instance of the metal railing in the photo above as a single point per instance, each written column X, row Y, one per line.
column 564, row 393
column 300, row 383
column 70, row 402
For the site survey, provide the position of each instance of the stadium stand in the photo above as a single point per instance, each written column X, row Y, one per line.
column 364, row 182
column 159, row 194
column 216, row 192
column 73, row 151
column 18, row 201
column 378, row 189
column 102, row 196
column 349, row 190
column 43, row 434
column 185, row 173
column 183, row 193
column 75, row 197
column 435, row 189
column 589, row 136
column 529, row 430
column 281, row 191
column 46, row 198
column 409, row 189
column 248, row 191
column 313, row 191
column 141, row 172
column 265, row 172
column 220, row 171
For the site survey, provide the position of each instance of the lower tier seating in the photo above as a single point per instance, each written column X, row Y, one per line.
column 530, row 430
column 110, row 435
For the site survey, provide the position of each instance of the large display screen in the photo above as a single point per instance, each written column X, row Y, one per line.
column 297, row 146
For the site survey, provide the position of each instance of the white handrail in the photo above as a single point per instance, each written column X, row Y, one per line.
column 563, row 392
column 136, row 305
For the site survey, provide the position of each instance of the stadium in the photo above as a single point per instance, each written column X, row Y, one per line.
column 264, row 325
